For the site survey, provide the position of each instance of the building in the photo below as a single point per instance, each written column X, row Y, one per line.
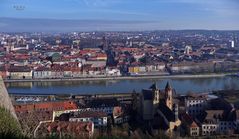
column 41, row 73
column 232, row 44
column 195, row 105
column 209, row 126
column 3, row 72
column 65, row 129
column 191, row 67
column 169, row 96
column 149, row 101
column 46, row 106
column 20, row 72
column 99, row 118
column 107, row 105
column 189, row 125
column 219, row 118
column 170, row 120
column 188, row 49
column 147, row 107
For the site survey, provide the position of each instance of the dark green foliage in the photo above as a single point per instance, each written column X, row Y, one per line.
column 9, row 127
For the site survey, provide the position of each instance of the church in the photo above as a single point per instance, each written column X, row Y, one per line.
column 158, row 108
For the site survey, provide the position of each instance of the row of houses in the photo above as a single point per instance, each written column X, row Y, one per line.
column 203, row 67
column 57, row 116
column 139, row 69
column 189, row 115
column 206, row 116
column 57, row 71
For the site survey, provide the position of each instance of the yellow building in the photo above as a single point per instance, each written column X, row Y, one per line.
column 133, row 70
column 20, row 72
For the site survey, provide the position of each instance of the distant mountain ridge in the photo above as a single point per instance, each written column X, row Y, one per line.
column 68, row 25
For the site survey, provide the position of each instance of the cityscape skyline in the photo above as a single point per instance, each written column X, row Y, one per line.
column 106, row 15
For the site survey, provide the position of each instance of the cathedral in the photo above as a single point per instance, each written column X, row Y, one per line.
column 158, row 107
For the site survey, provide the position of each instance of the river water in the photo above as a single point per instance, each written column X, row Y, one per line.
column 181, row 86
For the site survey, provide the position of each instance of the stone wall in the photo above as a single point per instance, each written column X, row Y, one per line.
column 5, row 101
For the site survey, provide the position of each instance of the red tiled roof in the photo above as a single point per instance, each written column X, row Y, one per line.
column 70, row 126
column 188, row 120
column 56, row 105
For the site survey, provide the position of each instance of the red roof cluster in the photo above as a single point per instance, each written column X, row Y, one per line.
column 78, row 129
column 46, row 106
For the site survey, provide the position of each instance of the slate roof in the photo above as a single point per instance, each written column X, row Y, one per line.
column 102, row 102
column 148, row 94
column 153, row 86
column 188, row 120
column 167, row 112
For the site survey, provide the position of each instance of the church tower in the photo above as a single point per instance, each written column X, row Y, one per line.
column 156, row 92
column 169, row 96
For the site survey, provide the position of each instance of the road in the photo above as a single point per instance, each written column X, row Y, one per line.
column 119, row 78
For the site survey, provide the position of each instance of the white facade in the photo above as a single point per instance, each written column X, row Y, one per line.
column 20, row 75
column 113, row 72
column 221, row 127
column 232, row 44
column 209, row 129
column 194, row 131
column 98, row 121
column 188, row 49
column 195, row 106
column 41, row 74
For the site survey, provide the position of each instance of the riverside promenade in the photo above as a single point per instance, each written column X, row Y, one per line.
column 120, row 78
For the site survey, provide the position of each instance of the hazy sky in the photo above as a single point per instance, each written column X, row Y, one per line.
column 159, row 14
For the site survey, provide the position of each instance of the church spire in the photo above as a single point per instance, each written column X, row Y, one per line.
column 168, row 86
column 169, row 96
column 153, row 86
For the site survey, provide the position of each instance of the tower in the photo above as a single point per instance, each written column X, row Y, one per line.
column 188, row 49
column 27, row 47
column 169, row 96
column 156, row 92
column 149, row 102
column 105, row 43
column 232, row 44
column 7, row 49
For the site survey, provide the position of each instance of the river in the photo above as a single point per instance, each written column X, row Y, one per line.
column 181, row 86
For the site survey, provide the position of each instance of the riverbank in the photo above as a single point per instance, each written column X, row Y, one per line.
column 119, row 78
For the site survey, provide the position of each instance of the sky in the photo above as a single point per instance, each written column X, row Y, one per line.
column 132, row 14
